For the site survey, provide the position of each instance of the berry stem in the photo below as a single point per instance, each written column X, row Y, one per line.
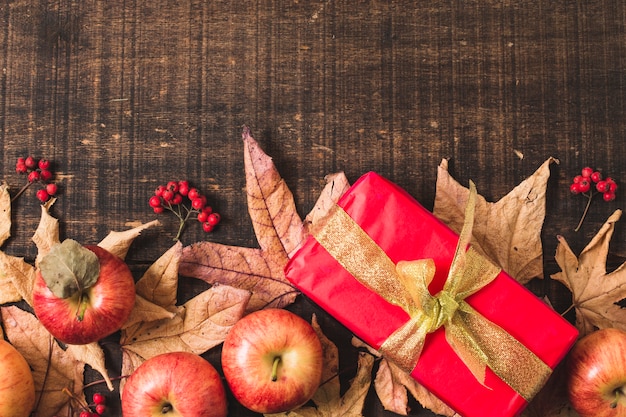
column 580, row 223
column 275, row 368
column 21, row 191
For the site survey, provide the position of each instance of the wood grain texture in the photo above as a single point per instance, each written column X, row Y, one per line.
column 126, row 94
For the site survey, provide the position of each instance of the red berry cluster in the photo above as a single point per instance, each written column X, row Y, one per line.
column 98, row 405
column 37, row 171
column 590, row 183
column 175, row 195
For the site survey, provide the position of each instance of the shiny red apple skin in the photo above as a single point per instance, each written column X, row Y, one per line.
column 111, row 300
column 596, row 368
column 248, row 354
column 175, row 384
column 17, row 389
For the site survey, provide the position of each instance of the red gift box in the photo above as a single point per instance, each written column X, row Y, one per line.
column 405, row 230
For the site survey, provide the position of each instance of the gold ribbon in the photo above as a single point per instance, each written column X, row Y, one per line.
column 476, row 340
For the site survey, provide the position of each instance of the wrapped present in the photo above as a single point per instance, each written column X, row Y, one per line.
column 407, row 285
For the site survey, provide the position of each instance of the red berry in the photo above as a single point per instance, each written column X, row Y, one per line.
column 168, row 195
column 602, row 186
column 596, row 176
column 177, row 199
column 197, row 203
column 193, row 194
column 100, row 409
column 33, row 176
column 612, row 187
column 45, row 175
column 578, row 178
column 584, row 185
column 586, row 172
column 44, row 164
column 574, row 188
column 85, row 414
column 608, row 196
column 214, row 219
column 154, row 201
column 98, row 398
column 43, row 195
column 207, row 227
column 51, row 188
column 30, row 162
column 183, row 188
column 20, row 166
column 159, row 190
column 158, row 210
column 207, row 210
column 203, row 216
column 172, row 186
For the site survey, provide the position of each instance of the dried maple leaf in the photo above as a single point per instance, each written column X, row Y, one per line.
column 328, row 400
column 595, row 293
column 278, row 229
column 5, row 213
column 509, row 231
column 53, row 368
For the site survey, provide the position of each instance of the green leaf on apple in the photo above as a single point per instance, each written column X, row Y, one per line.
column 69, row 268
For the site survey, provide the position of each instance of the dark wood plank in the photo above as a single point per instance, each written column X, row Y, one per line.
column 125, row 95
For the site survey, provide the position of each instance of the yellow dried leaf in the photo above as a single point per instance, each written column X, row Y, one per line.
column 53, row 368
column 509, row 231
column 93, row 355
column 5, row 213
column 8, row 292
column 146, row 311
column 118, row 243
column 595, row 293
column 47, row 233
column 18, row 278
column 159, row 284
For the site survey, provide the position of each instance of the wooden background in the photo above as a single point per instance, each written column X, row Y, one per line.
column 123, row 95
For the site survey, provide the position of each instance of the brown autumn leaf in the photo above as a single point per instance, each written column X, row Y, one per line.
column 508, row 231
column 118, row 243
column 278, row 229
column 328, row 399
column 53, row 368
column 595, row 293
column 5, row 213
column 16, row 277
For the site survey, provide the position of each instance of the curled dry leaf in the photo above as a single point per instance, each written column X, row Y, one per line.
column 159, row 284
column 328, row 399
column 118, row 243
column 16, row 279
column 278, row 229
column 53, row 368
column 47, row 233
column 509, row 231
column 595, row 294
column 5, row 213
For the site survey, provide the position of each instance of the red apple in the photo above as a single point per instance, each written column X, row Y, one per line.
column 17, row 389
column 272, row 360
column 82, row 293
column 174, row 384
column 597, row 374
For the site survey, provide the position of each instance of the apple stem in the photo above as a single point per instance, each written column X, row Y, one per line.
column 166, row 408
column 275, row 368
column 619, row 393
column 82, row 306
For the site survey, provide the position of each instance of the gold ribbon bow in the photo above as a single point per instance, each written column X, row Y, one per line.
column 476, row 340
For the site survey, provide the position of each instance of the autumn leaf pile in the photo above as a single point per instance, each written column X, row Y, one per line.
column 244, row 279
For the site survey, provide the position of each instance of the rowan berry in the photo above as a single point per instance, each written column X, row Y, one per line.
column 98, row 398
column 582, row 184
column 33, row 176
column 203, row 216
column 197, row 203
column 167, row 195
column 154, row 201
column 100, row 409
column 213, row 219
column 85, row 413
column 51, row 188
column 20, row 166
column 43, row 195
column 43, row 164
column 30, row 162
column 193, row 193
column 207, row 227
column 177, row 199
column 158, row 210
column 159, row 190
column 45, row 175
column 183, row 188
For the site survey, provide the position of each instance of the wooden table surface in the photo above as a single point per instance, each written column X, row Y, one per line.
column 125, row 95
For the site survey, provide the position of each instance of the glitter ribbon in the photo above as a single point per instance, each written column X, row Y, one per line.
column 479, row 342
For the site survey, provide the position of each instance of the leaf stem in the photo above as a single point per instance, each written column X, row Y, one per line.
column 589, row 197
column 21, row 191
